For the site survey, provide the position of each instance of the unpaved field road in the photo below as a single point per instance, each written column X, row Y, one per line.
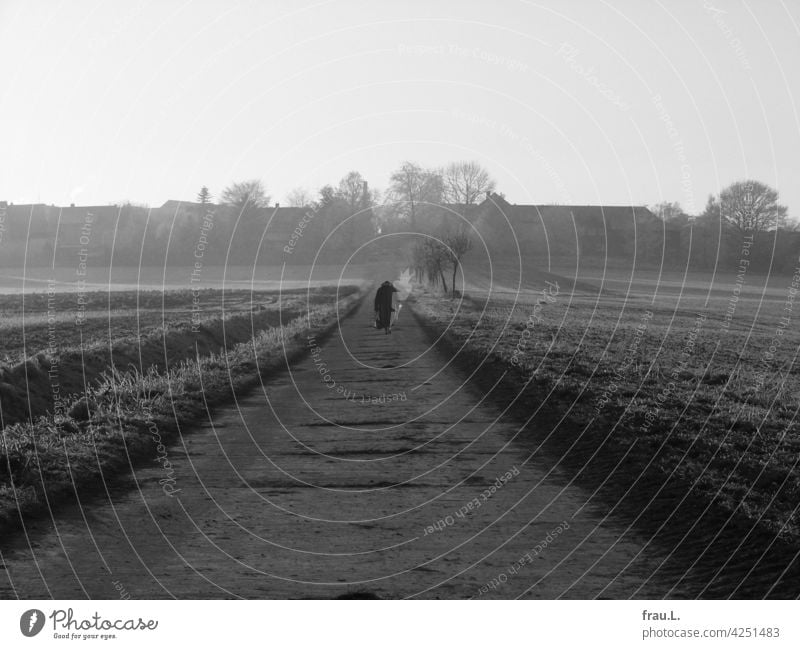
column 301, row 490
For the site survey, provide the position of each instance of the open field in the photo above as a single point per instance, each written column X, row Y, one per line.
column 647, row 384
column 32, row 323
column 688, row 289
column 52, row 358
column 90, row 370
column 315, row 486
column 631, row 407
column 101, row 277
column 124, row 412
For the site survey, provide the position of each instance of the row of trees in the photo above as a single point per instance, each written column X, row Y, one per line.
column 746, row 210
column 342, row 219
column 414, row 190
column 352, row 190
column 430, row 202
column 437, row 206
column 433, row 257
column 247, row 194
column 434, row 203
column 238, row 228
column 748, row 206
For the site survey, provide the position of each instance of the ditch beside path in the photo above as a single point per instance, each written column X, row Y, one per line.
column 385, row 473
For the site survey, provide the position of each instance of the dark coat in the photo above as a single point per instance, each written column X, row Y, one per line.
column 383, row 304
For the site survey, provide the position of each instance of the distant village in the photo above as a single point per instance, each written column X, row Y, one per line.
column 350, row 218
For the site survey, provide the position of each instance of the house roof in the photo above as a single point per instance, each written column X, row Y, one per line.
column 279, row 215
column 613, row 216
column 282, row 218
column 76, row 214
column 172, row 203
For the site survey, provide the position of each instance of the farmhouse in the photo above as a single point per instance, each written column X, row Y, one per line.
column 35, row 232
column 604, row 230
column 281, row 221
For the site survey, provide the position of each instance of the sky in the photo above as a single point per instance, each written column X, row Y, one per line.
column 572, row 102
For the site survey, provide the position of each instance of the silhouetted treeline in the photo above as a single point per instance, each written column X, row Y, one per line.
column 595, row 235
column 183, row 234
column 429, row 205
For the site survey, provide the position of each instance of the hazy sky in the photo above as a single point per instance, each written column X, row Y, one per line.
column 564, row 101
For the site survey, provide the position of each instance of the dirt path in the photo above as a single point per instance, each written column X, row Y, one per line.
column 303, row 490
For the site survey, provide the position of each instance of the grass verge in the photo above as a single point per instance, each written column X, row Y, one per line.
column 63, row 365
column 680, row 468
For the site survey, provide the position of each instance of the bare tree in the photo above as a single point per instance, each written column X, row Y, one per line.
column 354, row 191
column 466, row 182
column 667, row 211
column 418, row 261
column 244, row 195
column 413, row 187
column 458, row 243
column 299, row 197
column 751, row 206
column 430, row 257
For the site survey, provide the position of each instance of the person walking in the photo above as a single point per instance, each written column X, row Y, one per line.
column 384, row 299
